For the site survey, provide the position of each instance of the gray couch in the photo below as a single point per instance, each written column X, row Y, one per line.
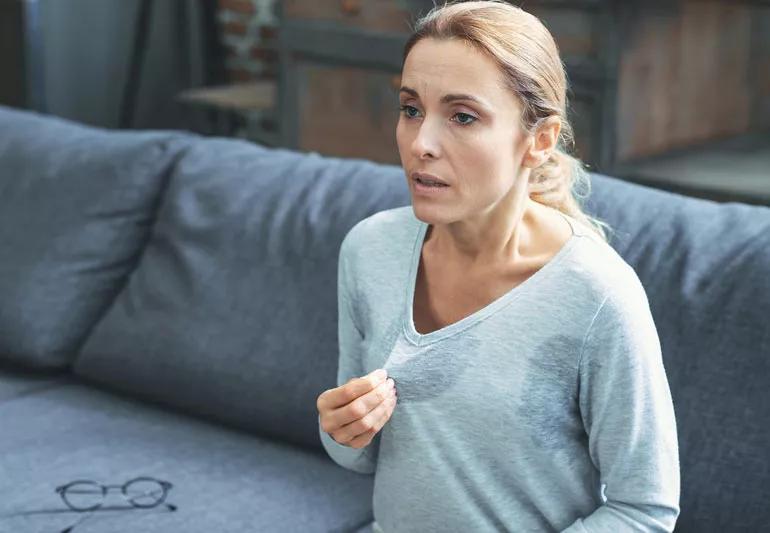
column 168, row 309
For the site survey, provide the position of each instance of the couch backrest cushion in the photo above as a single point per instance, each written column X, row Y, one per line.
column 76, row 206
column 706, row 269
column 232, row 312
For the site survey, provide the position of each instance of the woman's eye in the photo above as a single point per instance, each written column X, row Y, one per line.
column 467, row 115
column 406, row 108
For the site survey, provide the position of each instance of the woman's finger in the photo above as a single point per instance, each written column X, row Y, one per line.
column 380, row 415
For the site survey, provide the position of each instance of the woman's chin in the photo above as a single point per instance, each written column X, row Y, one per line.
column 427, row 213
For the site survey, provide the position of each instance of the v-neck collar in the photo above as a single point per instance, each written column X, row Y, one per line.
column 421, row 339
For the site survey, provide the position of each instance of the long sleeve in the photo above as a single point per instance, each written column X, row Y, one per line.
column 361, row 460
column 628, row 414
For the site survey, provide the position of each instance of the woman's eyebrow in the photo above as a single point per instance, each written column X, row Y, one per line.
column 447, row 97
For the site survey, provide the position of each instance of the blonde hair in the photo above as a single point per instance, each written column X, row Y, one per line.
column 533, row 70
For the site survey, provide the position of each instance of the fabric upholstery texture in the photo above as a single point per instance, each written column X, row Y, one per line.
column 16, row 382
column 76, row 206
column 231, row 313
column 223, row 480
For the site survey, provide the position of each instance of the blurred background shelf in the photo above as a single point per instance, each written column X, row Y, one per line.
column 734, row 169
column 236, row 110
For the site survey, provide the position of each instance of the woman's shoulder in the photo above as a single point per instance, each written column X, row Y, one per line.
column 601, row 287
column 600, row 270
column 385, row 230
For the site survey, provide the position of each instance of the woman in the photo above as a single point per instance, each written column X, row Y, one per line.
column 531, row 389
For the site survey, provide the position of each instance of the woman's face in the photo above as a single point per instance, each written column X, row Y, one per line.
column 475, row 147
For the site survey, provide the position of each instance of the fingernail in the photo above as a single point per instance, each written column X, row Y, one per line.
column 381, row 374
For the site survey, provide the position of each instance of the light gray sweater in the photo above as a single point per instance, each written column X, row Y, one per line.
column 547, row 410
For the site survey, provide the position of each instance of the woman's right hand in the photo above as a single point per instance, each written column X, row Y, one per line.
column 353, row 413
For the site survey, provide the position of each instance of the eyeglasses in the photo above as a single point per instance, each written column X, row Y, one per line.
column 86, row 495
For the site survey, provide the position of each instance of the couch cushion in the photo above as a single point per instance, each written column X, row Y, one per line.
column 18, row 382
column 223, row 480
column 76, row 206
column 232, row 311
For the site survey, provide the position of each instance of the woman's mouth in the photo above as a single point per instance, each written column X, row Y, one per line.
column 431, row 183
column 427, row 187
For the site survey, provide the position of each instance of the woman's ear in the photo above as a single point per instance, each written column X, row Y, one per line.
column 542, row 142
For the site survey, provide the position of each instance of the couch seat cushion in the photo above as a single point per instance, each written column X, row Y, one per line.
column 223, row 480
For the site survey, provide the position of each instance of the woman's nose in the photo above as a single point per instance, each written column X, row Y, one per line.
column 425, row 142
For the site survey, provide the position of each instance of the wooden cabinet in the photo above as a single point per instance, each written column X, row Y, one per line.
column 340, row 64
column 348, row 111
column 382, row 15
column 585, row 115
column 644, row 77
column 575, row 26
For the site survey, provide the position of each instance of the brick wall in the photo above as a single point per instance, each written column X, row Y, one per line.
column 249, row 34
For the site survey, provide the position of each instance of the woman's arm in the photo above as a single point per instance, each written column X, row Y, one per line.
column 628, row 414
column 361, row 460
